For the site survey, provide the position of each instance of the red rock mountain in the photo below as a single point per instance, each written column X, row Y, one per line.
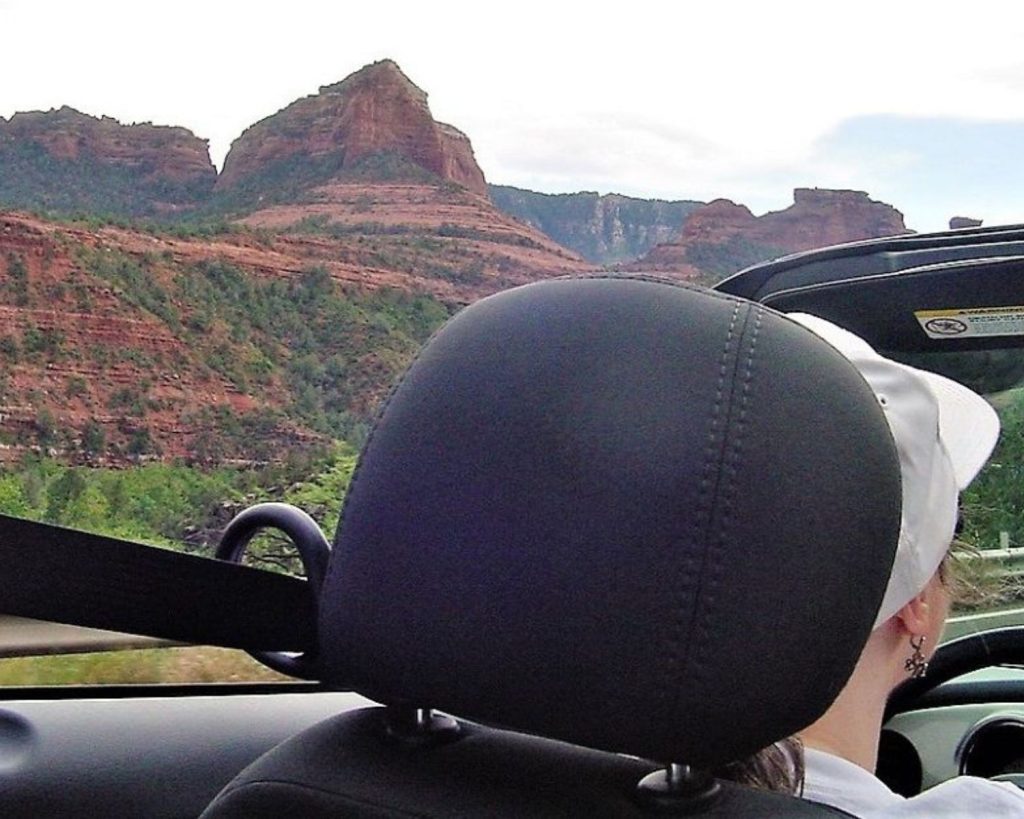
column 376, row 111
column 69, row 160
column 359, row 224
column 723, row 237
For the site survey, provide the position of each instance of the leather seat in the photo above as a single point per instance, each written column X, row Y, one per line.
column 640, row 526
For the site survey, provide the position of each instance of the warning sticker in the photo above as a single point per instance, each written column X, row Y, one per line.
column 972, row 321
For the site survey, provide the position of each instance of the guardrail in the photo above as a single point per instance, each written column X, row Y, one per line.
column 1005, row 562
column 1008, row 562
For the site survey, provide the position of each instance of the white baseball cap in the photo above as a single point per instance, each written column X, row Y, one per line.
column 944, row 433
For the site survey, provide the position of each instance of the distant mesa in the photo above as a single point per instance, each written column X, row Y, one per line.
column 69, row 161
column 375, row 125
column 959, row 222
column 723, row 237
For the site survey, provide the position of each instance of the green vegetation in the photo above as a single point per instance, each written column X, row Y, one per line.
column 17, row 280
column 994, row 503
column 172, row 505
column 291, row 180
column 284, row 181
column 32, row 178
column 993, row 507
column 418, row 236
column 100, row 193
column 9, row 349
column 439, row 253
column 135, row 282
column 75, row 386
column 94, row 439
column 184, row 224
column 326, row 352
column 331, row 346
column 42, row 343
column 389, row 166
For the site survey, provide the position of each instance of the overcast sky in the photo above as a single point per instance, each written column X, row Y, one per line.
column 919, row 103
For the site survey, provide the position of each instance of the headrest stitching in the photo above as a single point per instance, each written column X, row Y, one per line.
column 687, row 572
column 727, row 496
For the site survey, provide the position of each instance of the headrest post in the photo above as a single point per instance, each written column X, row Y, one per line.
column 419, row 726
column 678, row 788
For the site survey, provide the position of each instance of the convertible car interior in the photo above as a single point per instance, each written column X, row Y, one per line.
column 580, row 566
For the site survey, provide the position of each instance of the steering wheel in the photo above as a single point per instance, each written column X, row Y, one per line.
column 970, row 653
column 960, row 656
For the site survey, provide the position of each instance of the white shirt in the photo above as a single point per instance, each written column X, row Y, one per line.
column 844, row 785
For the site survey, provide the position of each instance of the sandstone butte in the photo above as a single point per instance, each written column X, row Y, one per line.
column 817, row 217
column 376, row 110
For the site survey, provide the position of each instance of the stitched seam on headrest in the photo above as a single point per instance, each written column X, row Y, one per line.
column 727, row 496
column 688, row 571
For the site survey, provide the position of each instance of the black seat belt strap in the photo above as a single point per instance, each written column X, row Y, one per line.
column 66, row 576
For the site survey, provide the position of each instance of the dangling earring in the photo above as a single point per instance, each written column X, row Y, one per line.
column 916, row 664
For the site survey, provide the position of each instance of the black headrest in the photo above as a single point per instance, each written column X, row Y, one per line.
column 619, row 512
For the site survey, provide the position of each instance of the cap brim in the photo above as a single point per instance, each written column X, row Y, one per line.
column 968, row 426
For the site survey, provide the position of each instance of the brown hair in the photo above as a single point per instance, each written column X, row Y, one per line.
column 779, row 767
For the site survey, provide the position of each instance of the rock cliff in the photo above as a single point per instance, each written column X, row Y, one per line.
column 602, row 229
column 723, row 237
column 66, row 160
column 373, row 125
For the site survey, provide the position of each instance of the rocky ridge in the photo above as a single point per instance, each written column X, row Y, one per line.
column 723, row 237
column 358, row 225
column 66, row 160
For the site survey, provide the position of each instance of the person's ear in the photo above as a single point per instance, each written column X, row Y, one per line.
column 915, row 617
